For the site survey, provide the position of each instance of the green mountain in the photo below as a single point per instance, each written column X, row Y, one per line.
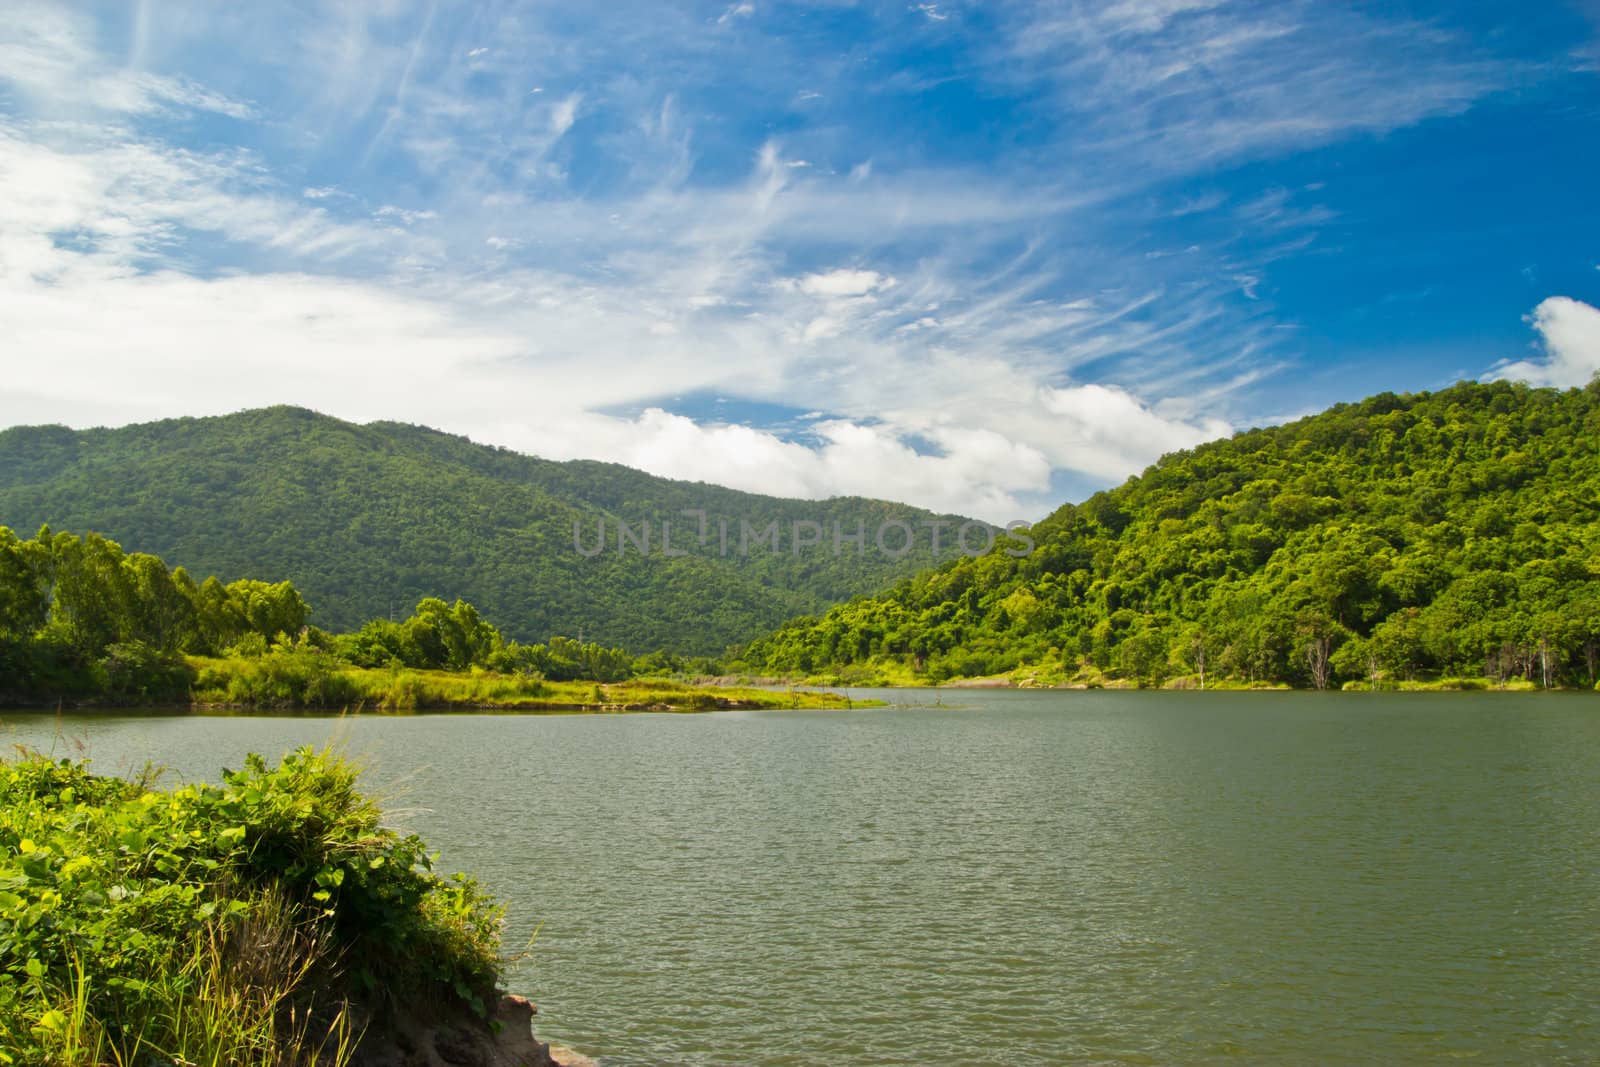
column 368, row 520
column 1403, row 538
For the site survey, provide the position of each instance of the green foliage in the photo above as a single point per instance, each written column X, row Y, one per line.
column 1444, row 536
column 136, row 673
column 436, row 637
column 123, row 629
column 365, row 520
column 287, row 676
column 245, row 923
column 81, row 619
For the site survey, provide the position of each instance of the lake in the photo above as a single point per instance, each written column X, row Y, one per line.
column 1004, row 877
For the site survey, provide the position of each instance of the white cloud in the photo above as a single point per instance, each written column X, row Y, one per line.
column 405, row 216
column 1569, row 333
column 564, row 114
column 979, row 472
column 1103, row 427
column 1175, row 86
column 134, row 199
column 844, row 283
column 736, row 11
column 47, row 52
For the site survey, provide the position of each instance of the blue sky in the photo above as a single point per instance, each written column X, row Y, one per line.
column 983, row 257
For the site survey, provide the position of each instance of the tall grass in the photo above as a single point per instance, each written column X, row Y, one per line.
column 233, row 1000
column 308, row 678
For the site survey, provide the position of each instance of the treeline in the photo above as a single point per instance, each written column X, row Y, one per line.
column 1406, row 538
column 80, row 619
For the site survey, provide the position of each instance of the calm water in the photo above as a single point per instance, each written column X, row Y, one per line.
column 1030, row 878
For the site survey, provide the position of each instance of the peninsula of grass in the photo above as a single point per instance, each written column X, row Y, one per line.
column 269, row 921
column 308, row 679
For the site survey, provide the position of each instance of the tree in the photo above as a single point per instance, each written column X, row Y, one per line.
column 271, row 609
column 24, row 601
column 161, row 613
column 1192, row 649
column 1319, row 637
column 90, row 593
column 219, row 618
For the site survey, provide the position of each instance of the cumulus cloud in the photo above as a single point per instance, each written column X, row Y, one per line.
column 979, row 475
column 1103, row 426
column 1569, row 335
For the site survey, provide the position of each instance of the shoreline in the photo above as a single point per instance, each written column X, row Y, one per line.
column 222, row 709
column 1185, row 684
column 245, row 686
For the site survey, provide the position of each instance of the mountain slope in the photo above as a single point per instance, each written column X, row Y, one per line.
column 1405, row 537
column 367, row 520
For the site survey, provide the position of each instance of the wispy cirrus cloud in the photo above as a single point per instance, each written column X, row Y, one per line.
column 1181, row 85
column 48, row 55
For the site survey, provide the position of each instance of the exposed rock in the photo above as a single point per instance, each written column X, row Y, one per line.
column 507, row 1042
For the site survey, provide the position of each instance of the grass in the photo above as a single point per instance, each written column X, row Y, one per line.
column 268, row 921
column 307, row 678
column 1445, row 685
column 1053, row 674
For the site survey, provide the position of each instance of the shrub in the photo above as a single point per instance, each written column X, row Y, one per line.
column 136, row 673
column 261, row 921
column 286, row 677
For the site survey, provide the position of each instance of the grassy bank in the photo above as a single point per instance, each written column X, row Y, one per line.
column 891, row 674
column 308, row 678
column 270, row 920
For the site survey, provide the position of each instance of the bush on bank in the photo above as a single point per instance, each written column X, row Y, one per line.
column 268, row 921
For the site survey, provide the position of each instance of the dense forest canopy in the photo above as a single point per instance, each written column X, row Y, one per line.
column 1454, row 533
column 368, row 520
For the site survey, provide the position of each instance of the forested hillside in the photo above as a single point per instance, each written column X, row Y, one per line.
column 367, row 520
column 1405, row 537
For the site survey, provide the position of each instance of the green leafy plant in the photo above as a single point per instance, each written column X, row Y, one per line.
column 263, row 921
